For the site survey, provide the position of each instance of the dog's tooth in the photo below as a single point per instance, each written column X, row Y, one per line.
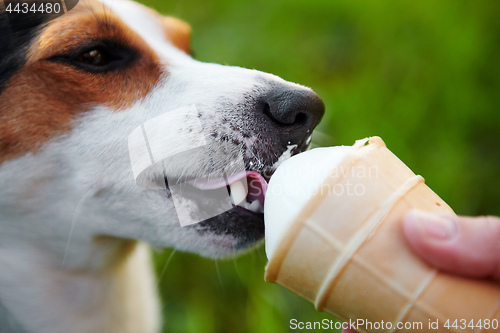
column 256, row 207
column 244, row 204
column 238, row 192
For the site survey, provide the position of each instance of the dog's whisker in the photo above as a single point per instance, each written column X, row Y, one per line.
column 219, row 276
column 321, row 139
column 256, row 158
column 73, row 223
column 164, row 269
column 235, row 263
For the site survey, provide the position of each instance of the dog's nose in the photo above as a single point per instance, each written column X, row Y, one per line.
column 296, row 111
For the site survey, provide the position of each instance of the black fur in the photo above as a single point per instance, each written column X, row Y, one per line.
column 13, row 47
column 16, row 32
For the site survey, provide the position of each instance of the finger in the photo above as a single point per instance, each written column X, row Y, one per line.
column 463, row 245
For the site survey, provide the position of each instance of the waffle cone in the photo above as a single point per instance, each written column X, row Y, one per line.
column 345, row 253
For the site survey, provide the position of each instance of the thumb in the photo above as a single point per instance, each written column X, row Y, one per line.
column 463, row 245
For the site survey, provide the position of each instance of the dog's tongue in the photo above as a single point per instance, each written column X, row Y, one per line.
column 257, row 185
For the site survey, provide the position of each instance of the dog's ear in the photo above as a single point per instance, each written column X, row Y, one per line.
column 178, row 32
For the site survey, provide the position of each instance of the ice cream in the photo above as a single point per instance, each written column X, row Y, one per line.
column 333, row 236
column 291, row 187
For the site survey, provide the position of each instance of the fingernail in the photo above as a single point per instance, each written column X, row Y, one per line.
column 432, row 225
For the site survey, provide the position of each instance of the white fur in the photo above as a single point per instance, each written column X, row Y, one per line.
column 57, row 275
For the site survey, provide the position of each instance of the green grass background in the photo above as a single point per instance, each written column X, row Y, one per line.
column 423, row 75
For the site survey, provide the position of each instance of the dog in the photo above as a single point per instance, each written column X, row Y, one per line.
column 75, row 227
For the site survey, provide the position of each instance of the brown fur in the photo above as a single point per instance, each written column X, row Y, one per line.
column 42, row 100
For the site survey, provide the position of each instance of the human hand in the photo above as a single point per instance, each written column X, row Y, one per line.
column 468, row 246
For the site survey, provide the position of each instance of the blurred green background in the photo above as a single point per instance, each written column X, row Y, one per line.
column 423, row 75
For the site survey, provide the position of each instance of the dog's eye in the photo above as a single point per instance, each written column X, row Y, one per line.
column 95, row 58
column 99, row 57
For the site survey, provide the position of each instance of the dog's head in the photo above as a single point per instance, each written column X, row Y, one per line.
column 74, row 88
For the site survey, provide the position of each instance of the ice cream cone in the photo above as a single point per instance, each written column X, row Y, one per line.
column 346, row 254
